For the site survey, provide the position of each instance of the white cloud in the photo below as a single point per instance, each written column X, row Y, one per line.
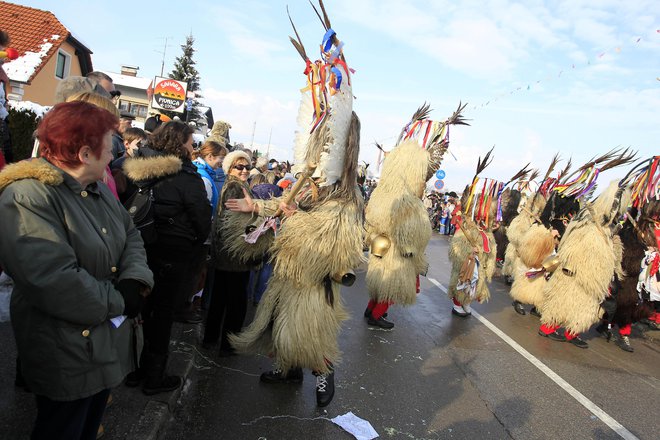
column 251, row 112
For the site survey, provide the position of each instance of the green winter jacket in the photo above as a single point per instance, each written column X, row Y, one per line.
column 65, row 247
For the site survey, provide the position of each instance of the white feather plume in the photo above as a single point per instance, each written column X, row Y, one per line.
column 339, row 121
column 304, row 120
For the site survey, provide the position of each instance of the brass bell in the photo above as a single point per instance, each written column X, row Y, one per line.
column 551, row 263
column 380, row 245
column 346, row 279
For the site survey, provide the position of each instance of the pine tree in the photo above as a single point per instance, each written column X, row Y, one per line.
column 184, row 70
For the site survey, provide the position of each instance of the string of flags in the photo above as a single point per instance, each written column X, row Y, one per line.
column 573, row 66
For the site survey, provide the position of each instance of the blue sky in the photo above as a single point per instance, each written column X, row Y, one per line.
column 539, row 77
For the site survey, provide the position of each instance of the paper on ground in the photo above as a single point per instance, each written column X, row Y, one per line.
column 360, row 428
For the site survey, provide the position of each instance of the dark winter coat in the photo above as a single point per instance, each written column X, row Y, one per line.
column 182, row 213
column 66, row 247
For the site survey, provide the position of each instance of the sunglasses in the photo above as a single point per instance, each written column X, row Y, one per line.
column 115, row 93
column 242, row 167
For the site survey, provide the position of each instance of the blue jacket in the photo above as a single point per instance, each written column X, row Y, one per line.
column 211, row 175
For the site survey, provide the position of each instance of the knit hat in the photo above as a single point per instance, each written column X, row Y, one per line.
column 233, row 157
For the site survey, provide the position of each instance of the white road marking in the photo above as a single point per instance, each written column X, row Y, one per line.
column 581, row 398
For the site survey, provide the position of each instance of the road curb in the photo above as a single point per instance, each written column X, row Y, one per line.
column 158, row 410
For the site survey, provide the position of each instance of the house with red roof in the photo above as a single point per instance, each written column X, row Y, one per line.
column 48, row 53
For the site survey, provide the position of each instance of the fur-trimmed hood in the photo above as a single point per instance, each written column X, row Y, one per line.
column 141, row 169
column 38, row 169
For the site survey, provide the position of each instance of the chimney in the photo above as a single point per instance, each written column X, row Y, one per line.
column 129, row 70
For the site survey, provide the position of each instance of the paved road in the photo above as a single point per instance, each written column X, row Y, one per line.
column 436, row 376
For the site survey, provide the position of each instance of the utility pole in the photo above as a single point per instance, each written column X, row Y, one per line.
column 254, row 127
column 162, row 64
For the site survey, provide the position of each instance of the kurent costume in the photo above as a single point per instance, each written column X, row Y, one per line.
column 220, row 133
column 588, row 256
column 472, row 251
column 554, row 226
column 397, row 223
column 537, row 245
column 631, row 299
column 531, row 205
column 316, row 249
column 537, row 242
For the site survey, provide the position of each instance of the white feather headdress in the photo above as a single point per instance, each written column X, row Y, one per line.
column 326, row 107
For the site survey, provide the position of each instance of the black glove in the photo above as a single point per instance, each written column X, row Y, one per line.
column 133, row 299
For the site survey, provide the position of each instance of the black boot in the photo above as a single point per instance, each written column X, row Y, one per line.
column 518, row 307
column 555, row 336
column 294, row 375
column 579, row 342
column 367, row 312
column 535, row 312
column 155, row 380
column 380, row 322
column 624, row 343
column 325, row 388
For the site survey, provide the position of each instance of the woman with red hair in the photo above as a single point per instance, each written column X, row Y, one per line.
column 79, row 270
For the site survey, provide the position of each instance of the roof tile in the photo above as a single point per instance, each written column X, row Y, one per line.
column 30, row 30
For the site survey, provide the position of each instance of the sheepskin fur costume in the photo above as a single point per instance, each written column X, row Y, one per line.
column 220, row 133
column 537, row 244
column 396, row 211
column 588, row 259
column 300, row 314
column 460, row 248
column 232, row 157
column 229, row 228
column 529, row 212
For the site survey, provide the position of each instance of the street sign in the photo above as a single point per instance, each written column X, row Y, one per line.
column 440, row 174
column 439, row 184
column 189, row 104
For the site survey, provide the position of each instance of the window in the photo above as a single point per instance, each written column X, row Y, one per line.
column 63, row 64
column 139, row 110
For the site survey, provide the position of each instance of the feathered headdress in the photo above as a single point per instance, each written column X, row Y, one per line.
column 478, row 204
column 589, row 172
column 432, row 136
column 644, row 182
column 326, row 107
column 520, row 175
